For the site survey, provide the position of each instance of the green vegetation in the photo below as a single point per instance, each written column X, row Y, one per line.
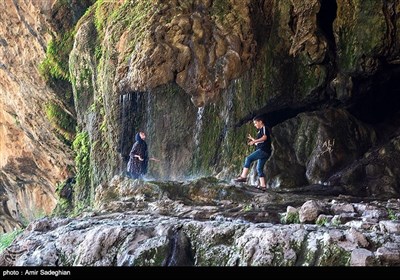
column 322, row 221
column 247, row 207
column 221, row 11
column 291, row 218
column 209, row 133
column 16, row 120
column 55, row 64
column 82, row 191
column 220, row 8
column 7, row 238
column 391, row 214
column 336, row 221
column 131, row 15
column 356, row 47
column 82, row 159
column 62, row 121
column 64, row 259
column 35, row 215
column 334, row 255
column 64, row 199
column 55, row 70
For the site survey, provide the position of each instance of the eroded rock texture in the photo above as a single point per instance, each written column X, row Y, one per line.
column 200, row 45
column 130, row 229
column 32, row 159
column 192, row 74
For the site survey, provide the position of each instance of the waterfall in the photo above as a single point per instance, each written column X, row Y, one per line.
column 123, row 109
column 226, row 115
column 227, row 110
column 224, row 151
column 198, row 126
column 149, row 113
column 131, row 108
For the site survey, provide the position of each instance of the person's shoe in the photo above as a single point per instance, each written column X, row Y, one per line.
column 240, row 179
column 261, row 188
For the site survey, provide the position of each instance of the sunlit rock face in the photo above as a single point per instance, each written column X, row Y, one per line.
column 193, row 74
column 201, row 46
column 137, row 65
column 32, row 159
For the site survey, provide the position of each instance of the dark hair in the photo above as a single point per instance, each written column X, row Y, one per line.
column 259, row 118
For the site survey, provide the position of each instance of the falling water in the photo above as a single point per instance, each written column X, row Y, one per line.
column 130, row 106
column 198, row 126
column 226, row 115
column 123, row 109
column 149, row 113
column 227, row 110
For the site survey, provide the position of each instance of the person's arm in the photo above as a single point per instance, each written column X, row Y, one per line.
column 259, row 140
column 139, row 157
column 251, row 138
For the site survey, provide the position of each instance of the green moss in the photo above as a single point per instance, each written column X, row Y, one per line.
column 223, row 12
column 133, row 16
column 353, row 43
column 308, row 77
column 84, row 86
column 63, row 208
column 334, row 255
column 100, row 15
column 61, row 120
column 97, row 52
column 55, row 64
column 335, row 222
column 154, row 252
column 291, row 218
column 64, row 193
column 391, row 214
column 34, row 214
column 82, row 190
column 16, row 120
column 322, row 221
column 220, row 8
column 210, row 133
column 7, row 238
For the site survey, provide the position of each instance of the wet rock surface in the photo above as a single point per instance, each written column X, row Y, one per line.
column 207, row 222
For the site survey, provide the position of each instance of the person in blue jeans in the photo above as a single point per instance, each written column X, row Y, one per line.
column 262, row 143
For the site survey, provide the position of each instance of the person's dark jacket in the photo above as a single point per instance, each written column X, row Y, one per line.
column 137, row 168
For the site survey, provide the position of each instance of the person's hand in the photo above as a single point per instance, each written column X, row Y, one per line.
column 250, row 137
column 139, row 157
column 251, row 143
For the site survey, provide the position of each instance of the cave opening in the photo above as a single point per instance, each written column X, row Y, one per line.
column 325, row 18
column 131, row 107
column 273, row 117
column 376, row 99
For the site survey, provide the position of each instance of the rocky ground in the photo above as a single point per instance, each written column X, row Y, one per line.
column 207, row 222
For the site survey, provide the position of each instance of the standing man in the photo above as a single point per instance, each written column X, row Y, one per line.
column 262, row 153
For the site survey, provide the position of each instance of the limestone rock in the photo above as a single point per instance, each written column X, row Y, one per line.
column 361, row 257
column 309, row 211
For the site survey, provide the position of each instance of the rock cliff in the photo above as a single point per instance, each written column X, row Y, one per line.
column 192, row 74
column 325, row 87
column 32, row 158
